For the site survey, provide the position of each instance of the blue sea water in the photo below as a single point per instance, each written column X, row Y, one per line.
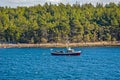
column 95, row 63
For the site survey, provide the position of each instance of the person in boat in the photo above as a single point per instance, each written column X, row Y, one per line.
column 61, row 52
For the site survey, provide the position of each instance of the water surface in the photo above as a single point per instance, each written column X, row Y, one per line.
column 95, row 63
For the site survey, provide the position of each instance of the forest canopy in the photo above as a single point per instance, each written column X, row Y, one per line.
column 56, row 23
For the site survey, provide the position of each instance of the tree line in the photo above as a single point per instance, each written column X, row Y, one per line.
column 56, row 23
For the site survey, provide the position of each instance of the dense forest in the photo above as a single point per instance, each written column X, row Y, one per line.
column 56, row 23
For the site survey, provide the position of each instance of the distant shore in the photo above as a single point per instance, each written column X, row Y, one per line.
column 48, row 45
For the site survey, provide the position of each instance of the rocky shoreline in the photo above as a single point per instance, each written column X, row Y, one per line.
column 48, row 45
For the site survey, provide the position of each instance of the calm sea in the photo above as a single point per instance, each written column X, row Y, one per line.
column 95, row 63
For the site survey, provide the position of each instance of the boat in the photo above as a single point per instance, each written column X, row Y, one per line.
column 69, row 52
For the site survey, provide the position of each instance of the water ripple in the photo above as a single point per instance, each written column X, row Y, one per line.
column 95, row 63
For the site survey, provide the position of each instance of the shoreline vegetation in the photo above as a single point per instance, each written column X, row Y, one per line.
column 56, row 23
column 49, row 45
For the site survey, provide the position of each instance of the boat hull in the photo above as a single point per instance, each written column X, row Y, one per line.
column 67, row 54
